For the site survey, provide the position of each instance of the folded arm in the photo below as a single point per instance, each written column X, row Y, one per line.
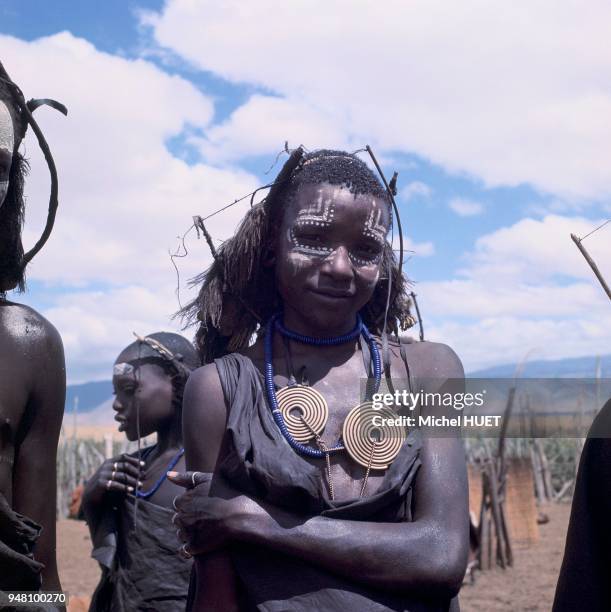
column 428, row 554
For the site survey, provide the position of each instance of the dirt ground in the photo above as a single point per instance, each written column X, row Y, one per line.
column 526, row 587
column 78, row 572
column 530, row 584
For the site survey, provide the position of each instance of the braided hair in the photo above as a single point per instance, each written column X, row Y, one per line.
column 238, row 291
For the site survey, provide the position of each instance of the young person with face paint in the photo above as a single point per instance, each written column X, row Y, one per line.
column 32, row 386
column 128, row 501
column 276, row 525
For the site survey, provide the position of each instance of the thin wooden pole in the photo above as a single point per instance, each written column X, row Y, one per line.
column 593, row 265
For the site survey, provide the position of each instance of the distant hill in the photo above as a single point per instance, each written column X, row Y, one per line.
column 92, row 394
column 578, row 367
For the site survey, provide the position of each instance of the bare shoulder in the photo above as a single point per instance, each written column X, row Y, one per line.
column 204, row 416
column 428, row 360
column 28, row 329
column 203, row 399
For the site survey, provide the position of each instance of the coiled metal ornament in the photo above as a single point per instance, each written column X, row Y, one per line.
column 369, row 442
column 304, row 410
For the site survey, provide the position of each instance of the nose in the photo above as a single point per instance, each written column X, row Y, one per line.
column 338, row 265
column 116, row 404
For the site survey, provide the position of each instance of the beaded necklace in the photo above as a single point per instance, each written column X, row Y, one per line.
column 301, row 412
column 146, row 494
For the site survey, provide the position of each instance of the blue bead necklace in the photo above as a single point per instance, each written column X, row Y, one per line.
column 146, row 494
column 275, row 323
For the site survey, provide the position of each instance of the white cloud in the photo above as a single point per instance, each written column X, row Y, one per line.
column 412, row 248
column 264, row 123
column 524, row 287
column 96, row 325
column 465, row 208
column 416, row 189
column 494, row 340
column 472, row 86
column 534, row 250
column 124, row 198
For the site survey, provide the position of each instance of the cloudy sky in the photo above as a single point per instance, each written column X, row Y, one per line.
column 497, row 117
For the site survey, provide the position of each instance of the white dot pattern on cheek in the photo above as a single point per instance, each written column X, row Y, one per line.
column 7, row 133
column 373, row 228
column 3, row 191
column 307, row 249
column 321, row 214
column 361, row 261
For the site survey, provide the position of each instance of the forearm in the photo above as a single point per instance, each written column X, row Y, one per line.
column 216, row 586
column 419, row 555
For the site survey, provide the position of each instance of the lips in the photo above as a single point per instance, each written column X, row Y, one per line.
column 121, row 420
column 333, row 294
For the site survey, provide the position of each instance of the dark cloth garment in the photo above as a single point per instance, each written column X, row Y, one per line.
column 141, row 567
column 18, row 535
column 584, row 582
column 18, row 569
column 260, row 462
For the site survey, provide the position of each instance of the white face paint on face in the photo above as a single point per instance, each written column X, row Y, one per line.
column 7, row 143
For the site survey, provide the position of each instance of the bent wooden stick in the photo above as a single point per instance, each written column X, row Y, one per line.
column 593, row 265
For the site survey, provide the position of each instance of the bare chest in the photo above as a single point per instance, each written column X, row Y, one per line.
column 342, row 390
column 13, row 402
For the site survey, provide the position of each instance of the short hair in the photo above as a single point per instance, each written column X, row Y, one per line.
column 337, row 168
column 238, row 292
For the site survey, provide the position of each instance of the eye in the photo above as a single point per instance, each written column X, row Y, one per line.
column 369, row 250
column 310, row 238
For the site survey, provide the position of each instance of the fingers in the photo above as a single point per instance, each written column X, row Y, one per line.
column 123, row 478
column 129, row 468
column 133, row 460
column 189, row 480
column 123, row 472
column 113, row 485
column 182, row 479
column 131, row 476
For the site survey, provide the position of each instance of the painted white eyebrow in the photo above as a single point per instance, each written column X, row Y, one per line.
column 122, row 369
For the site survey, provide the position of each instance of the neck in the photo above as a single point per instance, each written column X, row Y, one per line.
column 295, row 322
column 170, row 438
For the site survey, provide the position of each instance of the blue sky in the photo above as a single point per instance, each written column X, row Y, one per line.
column 499, row 135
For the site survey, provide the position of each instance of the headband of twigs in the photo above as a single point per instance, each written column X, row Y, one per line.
column 176, row 359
